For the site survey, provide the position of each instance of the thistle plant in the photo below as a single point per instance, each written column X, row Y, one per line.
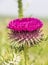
column 14, row 61
column 25, row 32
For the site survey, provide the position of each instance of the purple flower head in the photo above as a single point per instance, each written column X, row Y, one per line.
column 26, row 30
column 25, row 24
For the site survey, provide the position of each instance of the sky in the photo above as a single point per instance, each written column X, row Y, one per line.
column 30, row 7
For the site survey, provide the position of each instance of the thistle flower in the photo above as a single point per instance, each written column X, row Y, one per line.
column 25, row 31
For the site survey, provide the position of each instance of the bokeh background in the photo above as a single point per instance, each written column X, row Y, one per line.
column 30, row 7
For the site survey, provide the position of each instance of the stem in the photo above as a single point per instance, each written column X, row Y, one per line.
column 20, row 7
column 25, row 55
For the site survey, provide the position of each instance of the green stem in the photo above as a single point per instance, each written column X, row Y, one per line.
column 25, row 55
column 20, row 7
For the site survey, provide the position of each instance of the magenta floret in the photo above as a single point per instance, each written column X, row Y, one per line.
column 25, row 24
